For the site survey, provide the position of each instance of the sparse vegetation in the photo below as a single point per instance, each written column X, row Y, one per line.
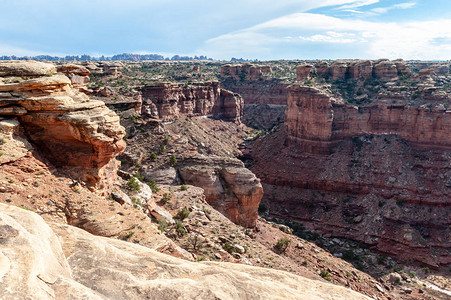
column 133, row 185
column 173, row 160
column 153, row 186
column 282, row 245
column 326, row 275
column 182, row 214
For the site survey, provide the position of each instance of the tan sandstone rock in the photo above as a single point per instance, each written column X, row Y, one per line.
column 73, row 132
column 69, row 263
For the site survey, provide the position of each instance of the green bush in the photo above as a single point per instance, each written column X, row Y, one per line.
column 325, row 274
column 153, row 155
column 162, row 148
column 182, row 214
column 282, row 245
column 133, row 184
column 183, row 187
column 166, row 198
column 180, row 229
column 139, row 176
column 172, row 160
column 162, row 224
column 153, row 186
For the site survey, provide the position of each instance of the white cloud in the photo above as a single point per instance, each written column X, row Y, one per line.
column 356, row 4
column 331, row 37
column 357, row 38
column 382, row 10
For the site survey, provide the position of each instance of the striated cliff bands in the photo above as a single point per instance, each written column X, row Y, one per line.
column 377, row 173
column 170, row 101
column 315, row 120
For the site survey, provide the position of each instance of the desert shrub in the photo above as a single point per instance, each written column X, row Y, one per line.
column 172, row 160
column 183, row 187
column 180, row 229
column 162, row 224
column 133, row 184
column 182, row 214
column 139, row 176
column 282, row 245
column 153, row 155
column 325, row 274
column 166, row 198
column 126, row 235
column 153, row 186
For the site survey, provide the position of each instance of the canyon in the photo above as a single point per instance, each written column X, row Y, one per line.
column 350, row 154
column 376, row 172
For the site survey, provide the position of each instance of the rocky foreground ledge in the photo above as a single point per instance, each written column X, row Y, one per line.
column 65, row 262
column 75, row 133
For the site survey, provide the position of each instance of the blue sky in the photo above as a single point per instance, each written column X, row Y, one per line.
column 265, row 29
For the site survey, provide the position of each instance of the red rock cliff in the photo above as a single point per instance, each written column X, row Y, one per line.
column 379, row 173
column 169, row 101
column 316, row 118
column 77, row 134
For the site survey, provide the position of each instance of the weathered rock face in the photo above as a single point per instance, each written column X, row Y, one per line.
column 75, row 133
column 65, row 262
column 322, row 68
column 385, row 70
column 78, row 75
column 244, row 72
column 263, row 116
column 229, row 187
column 314, row 116
column 379, row 173
column 363, row 69
column 303, row 71
column 256, row 87
column 170, row 101
column 339, row 70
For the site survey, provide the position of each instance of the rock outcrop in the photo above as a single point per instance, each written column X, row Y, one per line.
column 303, row 71
column 315, row 117
column 378, row 173
column 169, row 101
column 229, row 187
column 382, row 69
column 78, row 75
column 75, row 133
column 245, row 72
column 62, row 261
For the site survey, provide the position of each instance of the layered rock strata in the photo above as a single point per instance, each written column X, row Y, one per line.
column 74, row 132
column 169, row 101
column 382, row 69
column 379, row 173
column 315, row 119
column 245, row 72
column 228, row 186
column 256, row 87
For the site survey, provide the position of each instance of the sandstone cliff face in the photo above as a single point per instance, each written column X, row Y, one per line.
column 64, row 262
column 382, row 69
column 75, row 133
column 228, row 186
column 254, row 84
column 170, row 101
column 313, row 116
column 245, row 72
column 379, row 173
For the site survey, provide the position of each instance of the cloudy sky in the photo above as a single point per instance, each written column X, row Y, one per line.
column 253, row 29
